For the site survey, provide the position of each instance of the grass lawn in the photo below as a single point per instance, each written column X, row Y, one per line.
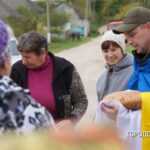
column 58, row 46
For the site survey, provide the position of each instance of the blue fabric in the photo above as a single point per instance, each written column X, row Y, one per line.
column 140, row 79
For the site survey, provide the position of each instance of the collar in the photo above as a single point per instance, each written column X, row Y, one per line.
column 141, row 58
column 126, row 61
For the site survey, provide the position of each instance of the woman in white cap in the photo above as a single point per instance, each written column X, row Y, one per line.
column 19, row 112
column 118, row 67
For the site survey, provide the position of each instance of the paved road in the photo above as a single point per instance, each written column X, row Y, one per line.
column 88, row 61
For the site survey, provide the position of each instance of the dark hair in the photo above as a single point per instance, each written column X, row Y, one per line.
column 32, row 42
column 106, row 45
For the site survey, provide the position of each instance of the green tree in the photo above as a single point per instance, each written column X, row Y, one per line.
column 31, row 20
column 28, row 20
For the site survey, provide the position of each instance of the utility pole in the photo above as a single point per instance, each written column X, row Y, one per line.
column 48, row 22
column 48, row 19
column 87, row 9
column 86, row 19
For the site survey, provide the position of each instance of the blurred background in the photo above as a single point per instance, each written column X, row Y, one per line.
column 72, row 22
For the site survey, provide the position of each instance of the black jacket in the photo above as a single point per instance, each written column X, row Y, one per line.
column 71, row 101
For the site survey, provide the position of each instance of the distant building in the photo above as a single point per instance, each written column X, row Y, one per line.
column 75, row 22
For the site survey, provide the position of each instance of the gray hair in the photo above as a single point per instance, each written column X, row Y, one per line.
column 32, row 42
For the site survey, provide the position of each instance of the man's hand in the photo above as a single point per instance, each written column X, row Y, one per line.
column 130, row 99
